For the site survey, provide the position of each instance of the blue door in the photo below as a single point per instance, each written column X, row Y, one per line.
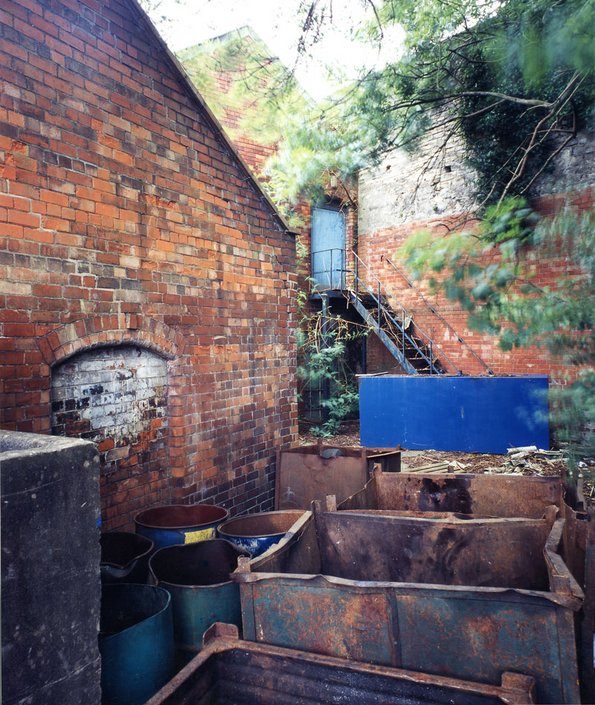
column 328, row 249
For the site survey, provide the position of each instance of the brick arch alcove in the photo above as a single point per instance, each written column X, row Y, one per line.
column 94, row 331
column 111, row 387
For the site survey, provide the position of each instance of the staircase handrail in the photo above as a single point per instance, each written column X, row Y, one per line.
column 381, row 308
column 329, row 270
column 433, row 309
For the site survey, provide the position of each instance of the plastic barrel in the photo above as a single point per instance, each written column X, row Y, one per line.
column 136, row 643
column 124, row 557
column 197, row 578
column 258, row 532
column 172, row 524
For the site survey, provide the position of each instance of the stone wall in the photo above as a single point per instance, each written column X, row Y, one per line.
column 432, row 189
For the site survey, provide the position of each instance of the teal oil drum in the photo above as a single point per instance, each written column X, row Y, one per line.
column 197, row 576
column 172, row 524
column 124, row 557
column 136, row 643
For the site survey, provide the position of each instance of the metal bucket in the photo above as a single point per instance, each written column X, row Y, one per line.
column 124, row 557
column 256, row 533
column 173, row 524
column 197, row 577
column 135, row 642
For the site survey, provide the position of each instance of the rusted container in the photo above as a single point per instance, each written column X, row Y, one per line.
column 197, row 576
column 124, row 557
column 229, row 670
column 256, row 533
column 172, row 524
column 311, row 472
column 482, row 495
column 579, row 555
column 463, row 598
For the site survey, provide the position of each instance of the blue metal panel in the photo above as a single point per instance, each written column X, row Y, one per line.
column 328, row 248
column 474, row 414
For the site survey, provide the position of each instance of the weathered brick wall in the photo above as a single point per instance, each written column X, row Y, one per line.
column 127, row 219
column 421, row 191
column 117, row 398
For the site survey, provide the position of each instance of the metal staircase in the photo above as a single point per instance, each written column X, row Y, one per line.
column 414, row 351
column 410, row 345
column 435, row 312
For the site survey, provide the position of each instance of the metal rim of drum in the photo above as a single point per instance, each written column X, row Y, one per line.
column 131, row 587
column 225, row 528
column 220, row 514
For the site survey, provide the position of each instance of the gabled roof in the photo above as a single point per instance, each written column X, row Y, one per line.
column 208, row 114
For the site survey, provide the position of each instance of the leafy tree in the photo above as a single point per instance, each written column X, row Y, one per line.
column 514, row 79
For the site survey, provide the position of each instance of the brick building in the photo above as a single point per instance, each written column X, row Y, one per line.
column 146, row 281
column 429, row 189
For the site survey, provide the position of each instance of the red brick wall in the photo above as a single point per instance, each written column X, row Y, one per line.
column 479, row 353
column 254, row 153
column 127, row 219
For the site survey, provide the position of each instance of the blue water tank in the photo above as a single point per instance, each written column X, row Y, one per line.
column 473, row 414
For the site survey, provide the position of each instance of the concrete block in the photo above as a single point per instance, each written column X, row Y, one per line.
column 50, row 570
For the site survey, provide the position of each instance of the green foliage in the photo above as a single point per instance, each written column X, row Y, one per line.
column 313, row 150
column 237, row 74
column 514, row 78
column 323, row 368
column 574, row 417
column 489, row 272
column 322, row 364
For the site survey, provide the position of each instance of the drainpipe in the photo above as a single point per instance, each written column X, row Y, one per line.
column 326, row 385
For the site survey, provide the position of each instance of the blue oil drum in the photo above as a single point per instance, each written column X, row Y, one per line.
column 124, row 557
column 256, row 533
column 172, row 524
column 136, row 643
column 197, row 576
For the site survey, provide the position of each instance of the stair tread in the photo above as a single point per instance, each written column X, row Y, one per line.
column 411, row 351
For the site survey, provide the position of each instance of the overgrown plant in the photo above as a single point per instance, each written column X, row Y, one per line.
column 323, row 368
column 490, row 272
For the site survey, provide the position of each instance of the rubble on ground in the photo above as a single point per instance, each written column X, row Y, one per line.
column 526, row 460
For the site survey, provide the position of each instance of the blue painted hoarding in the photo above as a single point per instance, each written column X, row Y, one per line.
column 473, row 414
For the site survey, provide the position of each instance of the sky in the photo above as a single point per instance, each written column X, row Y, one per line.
column 191, row 22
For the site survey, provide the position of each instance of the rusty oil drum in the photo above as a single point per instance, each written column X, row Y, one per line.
column 171, row 524
column 256, row 533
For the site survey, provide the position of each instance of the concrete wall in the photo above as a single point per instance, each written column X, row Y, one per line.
column 127, row 219
column 50, row 570
column 415, row 186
